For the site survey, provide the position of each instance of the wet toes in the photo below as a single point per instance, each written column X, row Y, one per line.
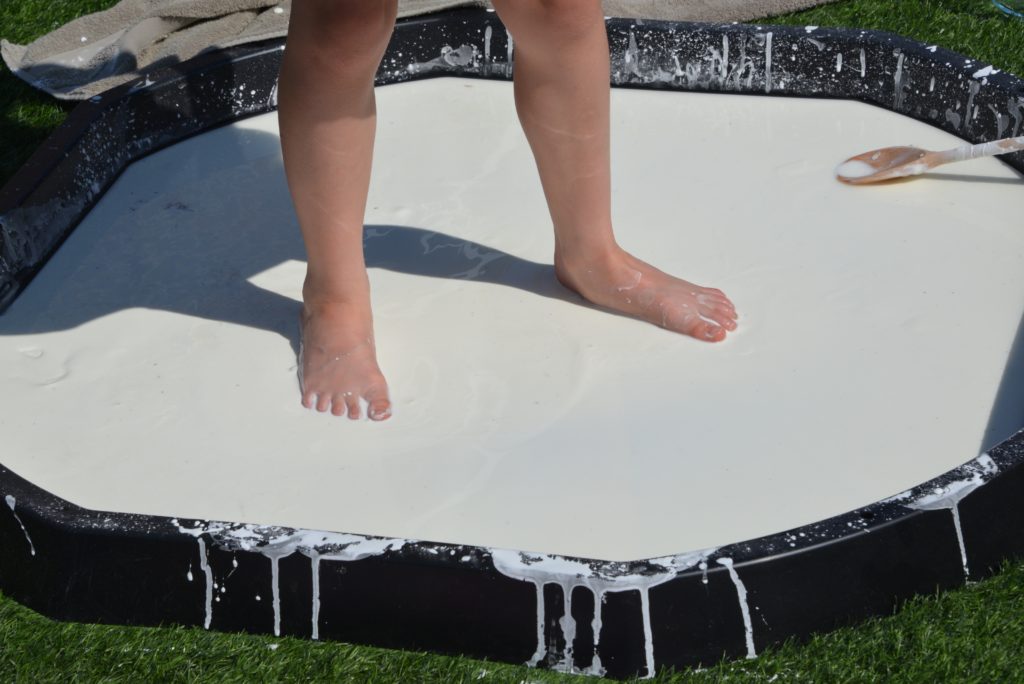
column 323, row 402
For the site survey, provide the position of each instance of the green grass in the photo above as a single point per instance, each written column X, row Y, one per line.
column 27, row 116
column 972, row 27
column 971, row 635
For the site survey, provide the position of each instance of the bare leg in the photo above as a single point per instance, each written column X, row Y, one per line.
column 562, row 97
column 327, row 115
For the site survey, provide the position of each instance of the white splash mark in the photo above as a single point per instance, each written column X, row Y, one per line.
column 188, row 574
column 636, row 281
column 631, row 57
column 139, row 85
column 568, row 624
column 898, row 92
column 511, row 49
column 987, row 71
column 810, row 29
column 488, row 33
column 839, row 62
column 542, row 570
column 11, row 502
column 931, row 85
column 1002, row 121
column 980, row 471
column 205, row 566
column 863, row 63
column 768, row 62
column 645, row 612
column 971, row 111
column 314, row 559
column 275, row 588
column 276, row 543
column 741, row 592
column 723, row 68
column 596, row 669
column 272, row 100
column 542, row 651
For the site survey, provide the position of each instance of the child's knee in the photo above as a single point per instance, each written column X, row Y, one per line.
column 565, row 19
column 345, row 34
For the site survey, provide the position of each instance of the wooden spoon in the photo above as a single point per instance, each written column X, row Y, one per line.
column 897, row 162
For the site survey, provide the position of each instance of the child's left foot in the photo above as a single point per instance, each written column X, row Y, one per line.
column 623, row 283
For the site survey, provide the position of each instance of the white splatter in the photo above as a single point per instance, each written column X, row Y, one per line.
column 567, row 573
column 948, row 496
column 11, row 502
column 741, row 592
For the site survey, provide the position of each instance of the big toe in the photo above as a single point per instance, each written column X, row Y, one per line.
column 378, row 406
column 701, row 329
column 710, row 332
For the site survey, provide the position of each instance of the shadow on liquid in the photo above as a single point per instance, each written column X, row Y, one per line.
column 176, row 253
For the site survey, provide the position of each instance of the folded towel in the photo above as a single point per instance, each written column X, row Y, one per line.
column 102, row 50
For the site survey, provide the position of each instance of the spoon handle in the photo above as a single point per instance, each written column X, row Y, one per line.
column 988, row 149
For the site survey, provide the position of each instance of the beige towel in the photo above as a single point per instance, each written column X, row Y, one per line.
column 102, row 50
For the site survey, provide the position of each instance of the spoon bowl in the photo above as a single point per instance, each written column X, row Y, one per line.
column 888, row 163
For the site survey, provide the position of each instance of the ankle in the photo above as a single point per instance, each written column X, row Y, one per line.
column 587, row 257
column 335, row 290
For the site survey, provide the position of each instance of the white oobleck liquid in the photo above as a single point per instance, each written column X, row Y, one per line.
column 150, row 366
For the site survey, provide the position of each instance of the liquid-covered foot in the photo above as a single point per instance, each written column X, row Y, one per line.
column 338, row 369
column 621, row 282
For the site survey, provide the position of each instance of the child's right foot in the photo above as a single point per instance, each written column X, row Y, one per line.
column 338, row 361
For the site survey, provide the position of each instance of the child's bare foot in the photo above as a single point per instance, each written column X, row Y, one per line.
column 621, row 282
column 338, row 360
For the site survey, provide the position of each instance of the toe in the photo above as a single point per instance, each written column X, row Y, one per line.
column 378, row 405
column 309, row 399
column 710, row 332
column 702, row 329
column 380, row 411
column 724, row 318
column 323, row 402
column 338, row 405
column 352, row 405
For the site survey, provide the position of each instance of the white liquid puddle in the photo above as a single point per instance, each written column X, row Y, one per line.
column 741, row 592
column 11, row 501
column 127, row 354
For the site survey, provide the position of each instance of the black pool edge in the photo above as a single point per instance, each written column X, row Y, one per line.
column 70, row 563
